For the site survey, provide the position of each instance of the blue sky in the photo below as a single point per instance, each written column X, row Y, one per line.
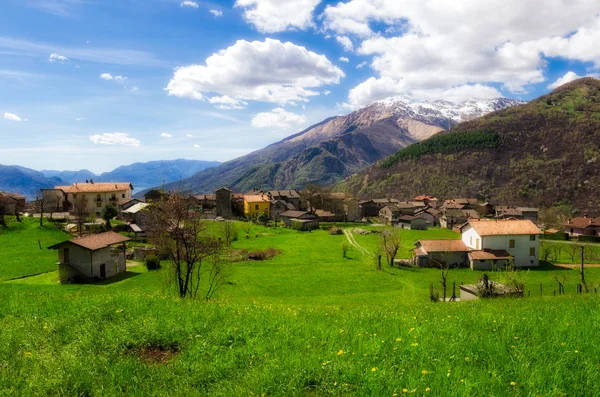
column 97, row 84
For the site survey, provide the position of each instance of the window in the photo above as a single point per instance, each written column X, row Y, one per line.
column 123, row 195
column 532, row 251
column 256, row 207
column 532, row 237
column 98, row 204
column 511, row 243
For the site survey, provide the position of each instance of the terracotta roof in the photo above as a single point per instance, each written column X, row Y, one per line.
column 407, row 218
column 551, row 231
column 468, row 200
column 503, row 227
column 385, row 201
column 293, row 214
column 471, row 214
column 323, row 213
column 484, row 255
column 443, row 245
column 95, row 242
column 16, row 196
column 424, row 197
column 100, row 187
column 582, row 222
column 284, row 193
column 256, row 198
column 126, row 200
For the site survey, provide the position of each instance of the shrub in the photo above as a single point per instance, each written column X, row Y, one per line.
column 334, row 230
column 259, row 255
column 152, row 263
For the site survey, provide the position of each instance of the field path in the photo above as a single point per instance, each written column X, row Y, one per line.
column 353, row 243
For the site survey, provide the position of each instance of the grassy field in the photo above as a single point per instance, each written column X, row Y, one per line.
column 307, row 322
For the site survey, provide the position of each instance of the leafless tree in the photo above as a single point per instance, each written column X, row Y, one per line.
column 443, row 263
column 80, row 208
column 5, row 201
column 229, row 232
column 390, row 243
column 218, row 271
column 182, row 235
column 46, row 203
column 248, row 227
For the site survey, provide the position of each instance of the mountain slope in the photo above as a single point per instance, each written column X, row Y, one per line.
column 544, row 153
column 335, row 148
column 25, row 181
column 69, row 176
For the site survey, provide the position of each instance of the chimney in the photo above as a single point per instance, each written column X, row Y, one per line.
column 92, row 181
column 86, row 181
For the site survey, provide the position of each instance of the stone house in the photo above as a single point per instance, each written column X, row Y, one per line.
column 95, row 256
column 224, row 203
column 428, row 253
column 306, row 220
column 93, row 196
column 411, row 222
column 583, row 226
column 390, row 214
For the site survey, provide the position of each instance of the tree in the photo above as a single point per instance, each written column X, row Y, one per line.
column 5, row 201
column 108, row 213
column 263, row 218
column 248, row 227
column 443, row 263
column 80, row 209
column 228, row 232
column 390, row 243
column 182, row 236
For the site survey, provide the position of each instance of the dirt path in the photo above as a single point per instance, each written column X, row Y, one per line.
column 572, row 266
column 353, row 243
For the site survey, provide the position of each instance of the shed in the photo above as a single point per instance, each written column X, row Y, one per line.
column 95, row 256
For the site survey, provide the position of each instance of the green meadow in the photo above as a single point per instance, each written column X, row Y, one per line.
column 307, row 322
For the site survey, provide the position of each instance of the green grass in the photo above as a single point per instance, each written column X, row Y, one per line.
column 307, row 322
column 20, row 251
column 562, row 252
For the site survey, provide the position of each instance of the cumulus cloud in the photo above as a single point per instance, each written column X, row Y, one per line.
column 227, row 102
column 427, row 46
column 270, row 16
column 115, row 139
column 166, row 135
column 216, row 13
column 362, row 65
column 189, row 136
column 267, row 71
column 326, row 92
column 345, row 42
column 196, row 146
column 57, row 58
column 189, row 3
column 344, row 59
column 12, row 117
column 277, row 117
column 109, row 77
column 568, row 77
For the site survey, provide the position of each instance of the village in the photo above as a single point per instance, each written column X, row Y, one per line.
column 491, row 237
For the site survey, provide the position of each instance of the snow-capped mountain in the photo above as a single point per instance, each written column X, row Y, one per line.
column 328, row 151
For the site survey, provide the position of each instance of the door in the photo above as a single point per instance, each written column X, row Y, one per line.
column 103, row 271
column 66, row 256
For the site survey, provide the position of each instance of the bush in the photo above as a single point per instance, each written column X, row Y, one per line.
column 334, row 230
column 152, row 263
column 589, row 239
column 259, row 255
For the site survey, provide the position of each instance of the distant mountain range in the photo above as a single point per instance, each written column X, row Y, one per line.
column 333, row 149
column 544, row 153
column 142, row 175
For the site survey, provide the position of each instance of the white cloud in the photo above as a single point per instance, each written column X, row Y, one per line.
column 344, row 59
column 196, row 146
column 326, row 92
column 216, row 13
column 267, row 71
column 80, row 118
column 12, row 117
column 119, row 79
column 57, row 58
column 362, row 65
column 227, row 102
column 189, row 136
column 134, row 89
column 115, row 138
column 270, row 16
column 106, row 76
column 189, row 3
column 345, row 42
column 166, row 135
column 429, row 46
column 277, row 117
column 568, row 77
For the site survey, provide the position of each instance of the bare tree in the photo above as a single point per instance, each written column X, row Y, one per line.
column 229, row 232
column 181, row 235
column 46, row 203
column 5, row 201
column 572, row 251
column 443, row 263
column 390, row 243
column 217, row 273
column 80, row 208
column 248, row 227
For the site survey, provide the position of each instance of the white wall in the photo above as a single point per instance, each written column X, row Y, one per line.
column 471, row 238
column 521, row 250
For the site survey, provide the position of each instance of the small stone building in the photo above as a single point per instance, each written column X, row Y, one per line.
column 97, row 256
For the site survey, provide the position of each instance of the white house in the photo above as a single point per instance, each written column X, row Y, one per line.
column 95, row 195
column 94, row 256
column 518, row 238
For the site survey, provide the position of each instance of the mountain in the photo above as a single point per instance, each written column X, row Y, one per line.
column 543, row 153
column 70, row 176
column 142, row 175
column 154, row 173
column 25, row 181
column 327, row 152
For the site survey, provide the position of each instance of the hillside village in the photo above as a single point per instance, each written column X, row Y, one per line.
column 492, row 236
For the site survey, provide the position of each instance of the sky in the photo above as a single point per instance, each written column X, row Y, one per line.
column 96, row 84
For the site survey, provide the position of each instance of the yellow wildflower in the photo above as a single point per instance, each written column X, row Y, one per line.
column 340, row 352
column 424, row 372
column 27, row 354
column 466, row 358
column 462, row 380
column 427, row 389
column 513, row 383
column 398, row 339
column 373, row 369
column 405, row 390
